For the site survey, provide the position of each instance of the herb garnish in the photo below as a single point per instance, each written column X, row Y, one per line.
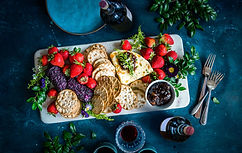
column 40, row 85
column 187, row 12
column 137, row 40
column 127, row 61
column 100, row 116
column 71, row 139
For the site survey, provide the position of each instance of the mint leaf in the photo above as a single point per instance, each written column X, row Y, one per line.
column 215, row 100
column 72, row 128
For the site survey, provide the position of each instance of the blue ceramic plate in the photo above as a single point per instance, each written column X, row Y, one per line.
column 77, row 17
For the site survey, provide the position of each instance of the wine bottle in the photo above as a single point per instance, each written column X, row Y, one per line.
column 116, row 14
column 176, row 128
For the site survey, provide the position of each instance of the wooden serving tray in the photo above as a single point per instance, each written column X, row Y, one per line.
column 180, row 102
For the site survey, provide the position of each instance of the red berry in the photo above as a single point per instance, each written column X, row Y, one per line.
column 76, row 56
column 52, row 49
column 91, row 83
column 57, row 60
column 52, row 109
column 126, row 45
column 88, row 69
column 150, row 42
column 147, row 53
column 161, row 74
column 172, row 54
column 75, row 70
column 117, row 108
column 83, row 78
column 157, row 62
column 44, row 60
column 52, row 93
column 66, row 70
column 166, row 39
column 146, row 79
column 64, row 53
column 161, row 50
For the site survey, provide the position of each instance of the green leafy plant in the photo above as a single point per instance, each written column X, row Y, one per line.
column 71, row 143
column 187, row 13
column 39, row 73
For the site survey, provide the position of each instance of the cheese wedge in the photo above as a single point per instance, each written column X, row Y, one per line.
column 143, row 68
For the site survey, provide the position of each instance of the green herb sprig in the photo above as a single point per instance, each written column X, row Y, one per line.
column 137, row 40
column 39, row 73
column 71, row 143
column 188, row 13
column 100, row 116
column 126, row 61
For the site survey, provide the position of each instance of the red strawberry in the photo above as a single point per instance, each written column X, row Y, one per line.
column 157, row 62
column 147, row 53
column 161, row 74
column 172, row 54
column 52, row 109
column 83, row 78
column 117, row 108
column 88, row 69
column 150, row 42
column 52, row 93
column 91, row 83
column 52, row 49
column 66, row 70
column 44, row 60
column 126, row 45
column 64, row 53
column 146, row 79
column 76, row 56
column 75, row 70
column 161, row 50
column 166, row 39
column 57, row 60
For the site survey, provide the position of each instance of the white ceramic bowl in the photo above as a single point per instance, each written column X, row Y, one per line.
column 173, row 94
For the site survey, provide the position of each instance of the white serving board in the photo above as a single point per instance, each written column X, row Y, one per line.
column 180, row 102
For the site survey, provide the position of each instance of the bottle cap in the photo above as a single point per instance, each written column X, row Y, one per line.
column 103, row 4
column 189, row 130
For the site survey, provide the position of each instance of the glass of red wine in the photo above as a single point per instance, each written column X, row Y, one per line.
column 130, row 137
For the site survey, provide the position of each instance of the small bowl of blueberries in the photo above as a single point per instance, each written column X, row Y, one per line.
column 160, row 93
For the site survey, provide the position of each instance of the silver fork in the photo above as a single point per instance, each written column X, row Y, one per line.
column 206, row 71
column 212, row 83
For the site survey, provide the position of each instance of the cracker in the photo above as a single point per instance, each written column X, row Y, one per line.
column 102, row 92
column 138, row 84
column 95, row 54
column 116, row 85
column 98, row 105
column 100, row 61
column 140, row 98
column 104, row 72
column 103, row 66
column 92, row 47
column 126, row 97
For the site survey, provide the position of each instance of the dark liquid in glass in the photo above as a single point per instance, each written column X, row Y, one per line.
column 129, row 133
column 105, row 150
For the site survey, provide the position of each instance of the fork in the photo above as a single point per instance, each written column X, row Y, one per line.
column 206, row 71
column 212, row 83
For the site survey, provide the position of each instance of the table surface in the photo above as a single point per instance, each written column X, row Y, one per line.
column 25, row 27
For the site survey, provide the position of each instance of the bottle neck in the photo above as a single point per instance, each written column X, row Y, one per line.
column 106, row 6
column 185, row 129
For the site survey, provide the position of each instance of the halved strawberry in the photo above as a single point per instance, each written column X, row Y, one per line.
column 83, row 78
column 91, row 83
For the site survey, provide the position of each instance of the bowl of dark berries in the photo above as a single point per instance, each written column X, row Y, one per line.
column 160, row 93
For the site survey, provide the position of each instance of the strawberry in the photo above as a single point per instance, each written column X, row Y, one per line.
column 57, row 60
column 52, row 93
column 52, row 109
column 166, row 39
column 44, row 60
column 157, row 62
column 66, row 70
column 91, row 83
column 150, row 42
column 83, row 78
column 76, row 56
column 126, row 45
column 161, row 74
column 75, row 70
column 147, row 53
column 88, row 69
column 52, row 49
column 64, row 53
column 146, row 79
column 172, row 54
column 161, row 50
column 117, row 108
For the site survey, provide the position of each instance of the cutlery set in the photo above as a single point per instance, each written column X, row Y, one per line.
column 211, row 80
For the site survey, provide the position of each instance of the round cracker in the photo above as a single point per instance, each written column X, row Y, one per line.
column 140, row 98
column 103, row 66
column 102, row 92
column 126, row 98
column 74, row 115
column 104, row 72
column 92, row 47
column 116, row 85
column 95, row 54
column 100, row 61
column 139, row 84
column 98, row 105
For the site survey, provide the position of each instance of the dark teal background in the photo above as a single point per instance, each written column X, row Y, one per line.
column 26, row 27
